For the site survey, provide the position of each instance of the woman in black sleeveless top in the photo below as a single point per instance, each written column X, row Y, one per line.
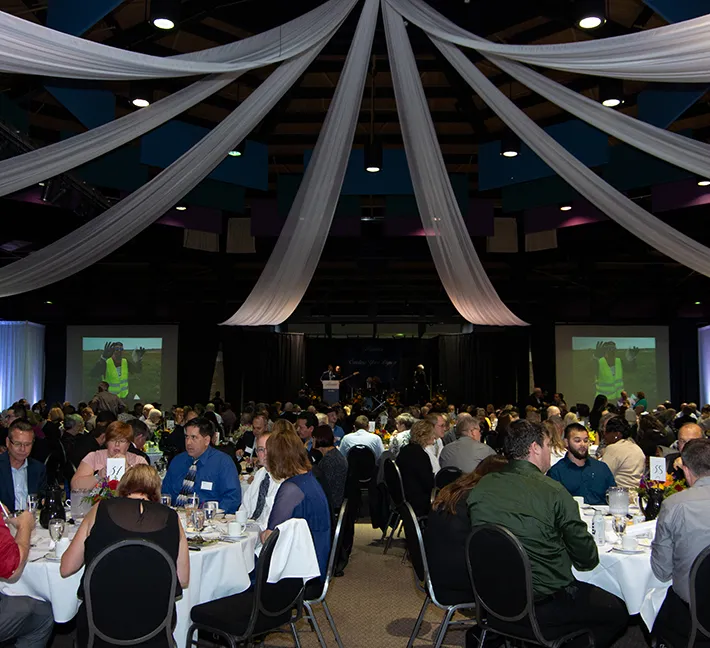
column 136, row 513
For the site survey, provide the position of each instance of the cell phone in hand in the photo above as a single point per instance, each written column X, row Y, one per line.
column 5, row 512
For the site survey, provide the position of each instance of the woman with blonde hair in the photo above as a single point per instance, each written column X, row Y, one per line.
column 415, row 465
column 556, row 431
column 135, row 513
column 300, row 495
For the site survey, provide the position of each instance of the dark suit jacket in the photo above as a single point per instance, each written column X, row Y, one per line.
column 417, row 477
column 138, row 452
column 36, row 480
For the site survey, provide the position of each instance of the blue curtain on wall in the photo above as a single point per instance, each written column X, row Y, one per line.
column 21, row 362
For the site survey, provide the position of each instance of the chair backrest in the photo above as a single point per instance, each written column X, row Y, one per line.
column 447, row 476
column 274, row 599
column 334, row 550
column 699, row 593
column 393, row 479
column 502, row 587
column 361, row 463
column 152, row 566
column 415, row 542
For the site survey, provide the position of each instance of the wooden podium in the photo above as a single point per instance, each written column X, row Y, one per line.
column 331, row 391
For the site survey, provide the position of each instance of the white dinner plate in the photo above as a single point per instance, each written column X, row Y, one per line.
column 207, row 535
column 628, row 552
column 230, row 537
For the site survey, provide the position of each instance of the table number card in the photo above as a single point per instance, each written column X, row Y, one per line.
column 115, row 468
column 371, row 426
column 658, row 469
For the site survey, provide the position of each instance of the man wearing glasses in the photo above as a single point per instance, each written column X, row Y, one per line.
column 259, row 497
column 20, row 475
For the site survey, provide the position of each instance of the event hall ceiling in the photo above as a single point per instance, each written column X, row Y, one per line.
column 595, row 272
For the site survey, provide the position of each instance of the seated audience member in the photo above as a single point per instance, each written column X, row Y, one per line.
column 20, row 475
column 450, row 436
column 338, row 432
column 581, row 475
column 135, row 513
column 556, row 431
column 545, row 518
column 625, row 459
column 682, row 532
column 440, row 427
column 306, row 423
column 416, row 468
column 104, row 401
column 203, row 469
column 91, row 442
column 362, row 436
column 92, row 469
column 333, row 466
column 73, row 430
column 258, row 499
column 89, row 417
column 141, row 434
column 24, row 621
column 300, row 495
column 467, row 451
column 154, row 421
column 176, row 440
column 553, row 410
column 447, row 531
column 674, row 462
column 400, row 438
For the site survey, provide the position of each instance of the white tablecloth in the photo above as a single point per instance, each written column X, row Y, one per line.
column 628, row 576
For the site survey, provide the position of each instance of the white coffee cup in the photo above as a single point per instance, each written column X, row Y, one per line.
column 242, row 516
column 61, row 546
column 235, row 529
column 629, row 543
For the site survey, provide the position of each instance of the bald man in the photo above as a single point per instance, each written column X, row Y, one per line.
column 674, row 463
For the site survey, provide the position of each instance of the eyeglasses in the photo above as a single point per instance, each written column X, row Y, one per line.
column 21, row 444
column 260, row 450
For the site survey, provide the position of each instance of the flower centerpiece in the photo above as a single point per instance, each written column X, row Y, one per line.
column 105, row 489
column 653, row 492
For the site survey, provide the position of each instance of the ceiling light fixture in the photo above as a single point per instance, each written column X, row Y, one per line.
column 238, row 150
column 140, row 103
column 164, row 14
column 611, row 92
column 590, row 14
column 373, row 148
column 703, row 183
column 510, row 145
column 181, row 208
column 697, row 303
column 565, row 207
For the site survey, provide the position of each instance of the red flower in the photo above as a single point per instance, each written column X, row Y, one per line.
column 113, row 484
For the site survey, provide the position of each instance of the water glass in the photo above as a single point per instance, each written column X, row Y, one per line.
column 618, row 524
column 193, row 501
column 210, row 509
column 32, row 502
column 198, row 519
column 56, row 529
column 166, row 500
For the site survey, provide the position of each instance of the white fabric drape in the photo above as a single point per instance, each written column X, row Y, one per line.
column 684, row 152
column 293, row 261
column 673, row 53
column 29, row 48
column 107, row 232
column 457, row 263
column 612, row 202
column 21, row 362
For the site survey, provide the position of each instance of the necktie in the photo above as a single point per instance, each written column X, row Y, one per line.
column 188, row 484
column 261, row 499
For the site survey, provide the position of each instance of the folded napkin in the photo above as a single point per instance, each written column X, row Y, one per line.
column 642, row 528
column 294, row 555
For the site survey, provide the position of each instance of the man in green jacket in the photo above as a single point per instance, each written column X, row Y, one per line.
column 541, row 513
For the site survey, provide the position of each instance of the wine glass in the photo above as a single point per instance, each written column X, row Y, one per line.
column 56, row 529
column 619, row 525
column 193, row 501
column 198, row 519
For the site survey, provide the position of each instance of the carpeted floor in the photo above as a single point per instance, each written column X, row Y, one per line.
column 375, row 605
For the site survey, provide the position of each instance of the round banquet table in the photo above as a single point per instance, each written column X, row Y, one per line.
column 628, row 576
column 215, row 571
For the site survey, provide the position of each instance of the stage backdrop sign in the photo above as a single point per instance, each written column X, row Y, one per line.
column 374, row 358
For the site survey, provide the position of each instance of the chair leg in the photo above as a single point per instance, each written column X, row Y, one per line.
column 329, row 616
column 443, row 628
column 388, row 542
column 418, row 623
column 314, row 622
column 294, row 632
column 189, row 642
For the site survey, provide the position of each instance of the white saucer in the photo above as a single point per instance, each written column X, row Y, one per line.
column 224, row 536
column 206, row 535
column 628, row 552
column 50, row 556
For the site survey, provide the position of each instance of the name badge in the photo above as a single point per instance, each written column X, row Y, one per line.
column 206, row 485
column 249, row 450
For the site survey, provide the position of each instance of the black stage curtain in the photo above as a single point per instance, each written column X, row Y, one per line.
column 486, row 366
column 684, row 367
column 198, row 345
column 55, row 371
column 261, row 365
column 543, row 352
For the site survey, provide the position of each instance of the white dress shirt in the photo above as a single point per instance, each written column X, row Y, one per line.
column 21, row 486
column 433, row 458
column 251, row 497
column 362, row 437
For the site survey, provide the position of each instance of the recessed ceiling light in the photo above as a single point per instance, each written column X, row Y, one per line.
column 48, row 302
column 565, row 207
column 181, row 208
column 697, row 303
column 590, row 22
column 234, row 153
column 41, row 184
column 611, row 103
column 703, row 183
column 140, row 103
column 373, row 169
column 164, row 23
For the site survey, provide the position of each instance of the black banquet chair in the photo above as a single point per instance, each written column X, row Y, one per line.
column 699, row 609
column 447, row 476
column 417, row 555
column 505, row 603
column 262, row 608
column 395, row 489
column 157, row 571
column 316, row 592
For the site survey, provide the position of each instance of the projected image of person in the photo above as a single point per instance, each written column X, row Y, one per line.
column 610, row 368
column 115, row 369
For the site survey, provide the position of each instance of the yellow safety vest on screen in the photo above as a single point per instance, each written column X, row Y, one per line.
column 610, row 385
column 117, row 384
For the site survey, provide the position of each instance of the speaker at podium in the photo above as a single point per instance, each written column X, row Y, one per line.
column 331, row 391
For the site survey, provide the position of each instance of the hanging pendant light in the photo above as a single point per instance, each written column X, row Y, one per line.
column 373, row 148
column 611, row 92
column 510, row 145
column 589, row 14
column 164, row 14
